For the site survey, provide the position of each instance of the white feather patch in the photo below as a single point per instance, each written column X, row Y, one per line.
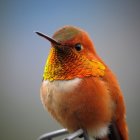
column 99, row 133
column 63, row 85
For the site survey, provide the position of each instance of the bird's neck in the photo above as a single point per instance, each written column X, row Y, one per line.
column 70, row 68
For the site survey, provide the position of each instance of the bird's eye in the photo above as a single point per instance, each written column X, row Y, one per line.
column 78, row 47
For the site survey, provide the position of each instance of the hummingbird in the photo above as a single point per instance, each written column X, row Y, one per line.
column 78, row 89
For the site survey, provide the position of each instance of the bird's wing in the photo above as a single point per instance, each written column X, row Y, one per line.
column 119, row 124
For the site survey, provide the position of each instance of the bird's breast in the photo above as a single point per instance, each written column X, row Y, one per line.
column 53, row 94
column 78, row 103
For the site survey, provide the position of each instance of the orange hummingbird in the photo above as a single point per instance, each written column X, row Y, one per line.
column 79, row 89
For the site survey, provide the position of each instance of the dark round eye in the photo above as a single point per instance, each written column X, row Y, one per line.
column 78, row 47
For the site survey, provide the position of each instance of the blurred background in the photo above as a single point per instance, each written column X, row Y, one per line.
column 114, row 27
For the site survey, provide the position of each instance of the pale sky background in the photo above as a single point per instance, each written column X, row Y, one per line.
column 114, row 27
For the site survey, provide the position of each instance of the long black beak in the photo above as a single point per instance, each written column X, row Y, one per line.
column 53, row 41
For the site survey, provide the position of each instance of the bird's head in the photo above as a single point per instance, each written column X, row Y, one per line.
column 72, row 55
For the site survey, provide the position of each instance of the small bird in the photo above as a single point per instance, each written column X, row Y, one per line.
column 79, row 89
